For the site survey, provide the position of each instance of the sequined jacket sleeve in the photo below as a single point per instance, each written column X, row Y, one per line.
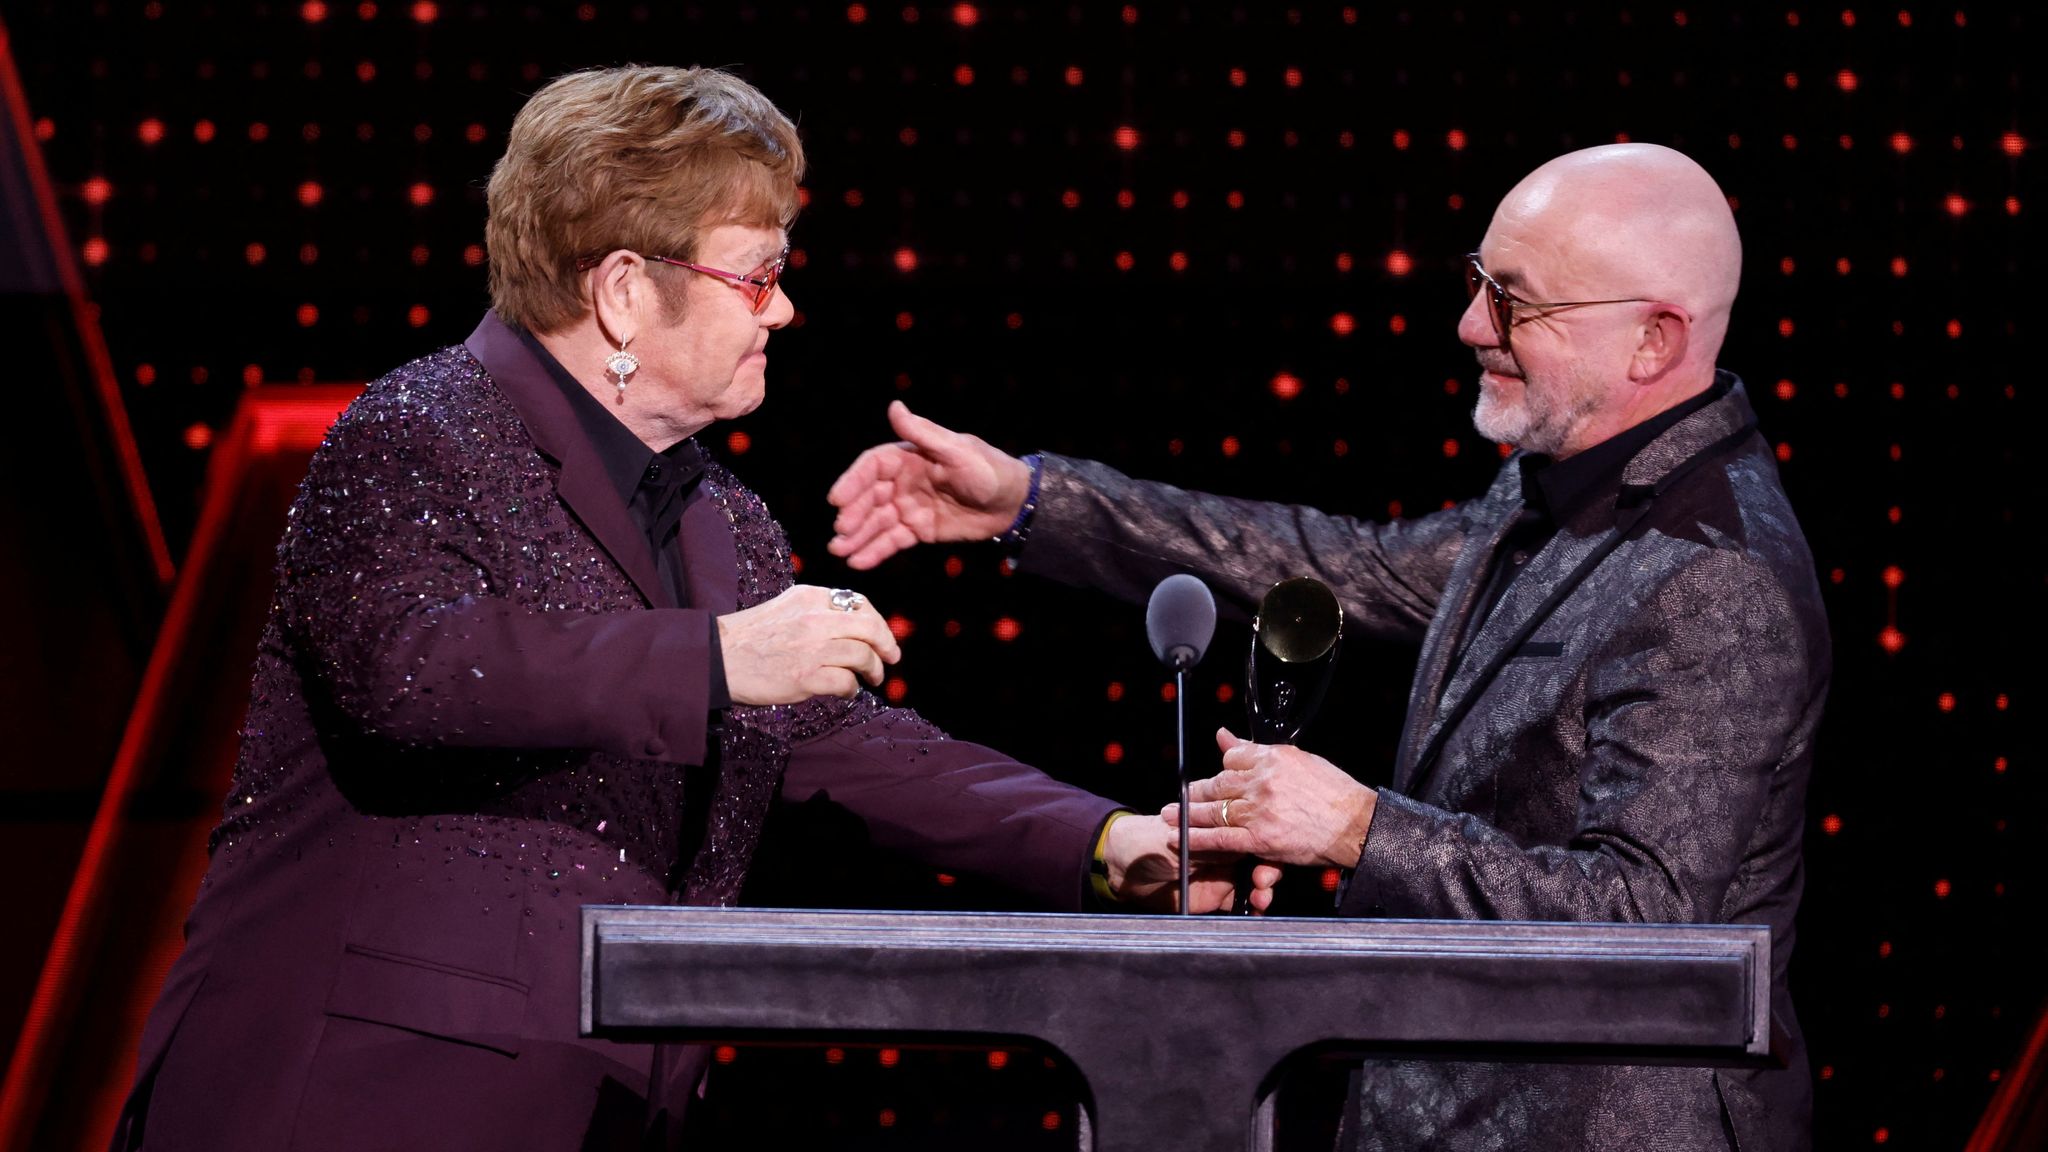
column 414, row 580
column 1693, row 711
column 1098, row 528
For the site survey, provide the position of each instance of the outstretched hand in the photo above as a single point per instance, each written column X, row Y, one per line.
column 933, row 485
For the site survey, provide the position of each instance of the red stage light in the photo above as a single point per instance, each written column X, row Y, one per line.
column 1946, row 702
column 1230, row 446
column 906, row 259
column 1234, row 138
column 1113, row 753
column 145, row 374
column 308, row 315
column 895, row 689
column 966, row 15
column 1399, row 263
column 1845, row 80
column 313, row 11
column 96, row 190
column 1894, row 576
column 2012, row 143
column 1397, row 325
column 426, row 12
column 1237, row 77
column 203, row 131
column 856, row 13
column 997, row 1061
column 1787, row 390
column 1179, row 198
column 1291, row 77
column 1234, row 199
column 1891, row 639
column 1942, row 889
column 963, row 75
column 1831, row 824
column 1125, row 261
column 1050, row 1121
column 1456, row 139
column 905, row 321
column 1285, row 385
column 1073, row 77
column 1127, row 138
column 94, row 251
column 198, row 437
column 421, row 194
column 1343, row 323
column 1400, row 139
column 310, row 193
column 737, row 442
column 150, row 131
column 1007, row 629
column 417, row 316
column 1902, row 143
column 1955, row 204
column 1450, row 449
column 1178, row 261
column 1784, row 451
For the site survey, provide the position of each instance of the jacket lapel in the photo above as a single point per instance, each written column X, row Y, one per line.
column 582, row 484
column 1494, row 515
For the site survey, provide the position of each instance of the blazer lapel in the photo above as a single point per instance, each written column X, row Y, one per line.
column 1495, row 515
column 711, row 563
column 582, row 484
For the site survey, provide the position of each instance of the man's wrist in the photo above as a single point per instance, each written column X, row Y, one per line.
column 1099, row 882
column 1019, row 531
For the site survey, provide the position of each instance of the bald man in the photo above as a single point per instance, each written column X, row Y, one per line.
column 1624, row 654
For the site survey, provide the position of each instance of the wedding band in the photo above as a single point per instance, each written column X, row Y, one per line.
column 1226, row 813
column 847, row 600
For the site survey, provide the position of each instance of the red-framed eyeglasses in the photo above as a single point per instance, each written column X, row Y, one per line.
column 762, row 287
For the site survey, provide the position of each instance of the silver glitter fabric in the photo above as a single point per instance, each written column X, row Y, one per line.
column 1640, row 756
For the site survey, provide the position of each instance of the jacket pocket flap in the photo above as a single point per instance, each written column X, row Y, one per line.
column 425, row 996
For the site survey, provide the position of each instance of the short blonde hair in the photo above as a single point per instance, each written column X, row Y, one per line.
column 636, row 157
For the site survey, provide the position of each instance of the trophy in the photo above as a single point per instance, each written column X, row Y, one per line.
column 1294, row 649
column 1295, row 638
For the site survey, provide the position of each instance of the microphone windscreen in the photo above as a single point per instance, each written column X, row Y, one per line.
column 1179, row 620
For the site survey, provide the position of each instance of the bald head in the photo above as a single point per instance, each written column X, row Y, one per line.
column 1631, row 220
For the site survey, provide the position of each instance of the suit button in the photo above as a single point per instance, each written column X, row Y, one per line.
column 657, row 747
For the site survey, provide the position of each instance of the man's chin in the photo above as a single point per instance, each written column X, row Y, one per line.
column 1498, row 422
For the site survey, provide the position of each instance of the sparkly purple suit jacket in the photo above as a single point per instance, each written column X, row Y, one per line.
column 474, row 711
column 1627, row 738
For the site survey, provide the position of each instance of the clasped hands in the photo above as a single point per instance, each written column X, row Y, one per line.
column 1274, row 803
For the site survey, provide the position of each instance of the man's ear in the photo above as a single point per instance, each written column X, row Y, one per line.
column 1661, row 345
column 620, row 291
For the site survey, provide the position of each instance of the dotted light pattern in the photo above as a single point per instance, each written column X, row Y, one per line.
column 1221, row 247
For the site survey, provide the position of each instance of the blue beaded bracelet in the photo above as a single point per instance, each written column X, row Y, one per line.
column 1020, row 528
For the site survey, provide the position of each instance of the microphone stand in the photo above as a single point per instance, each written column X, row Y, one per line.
column 1180, row 732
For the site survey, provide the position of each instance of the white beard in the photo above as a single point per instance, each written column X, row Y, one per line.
column 1544, row 419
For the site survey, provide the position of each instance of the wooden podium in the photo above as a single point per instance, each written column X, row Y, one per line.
column 1178, row 1025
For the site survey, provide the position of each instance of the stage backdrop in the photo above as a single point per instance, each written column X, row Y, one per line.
column 1217, row 245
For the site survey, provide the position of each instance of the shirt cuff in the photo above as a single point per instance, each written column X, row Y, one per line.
column 717, row 695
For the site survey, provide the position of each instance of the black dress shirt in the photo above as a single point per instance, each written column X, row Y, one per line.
column 655, row 487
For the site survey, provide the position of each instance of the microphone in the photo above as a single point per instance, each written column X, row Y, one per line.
column 1180, row 619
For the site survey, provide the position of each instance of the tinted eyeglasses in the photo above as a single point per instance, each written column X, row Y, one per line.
column 760, row 289
column 1502, row 303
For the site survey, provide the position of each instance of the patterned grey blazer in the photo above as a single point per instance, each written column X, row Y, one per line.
column 1627, row 737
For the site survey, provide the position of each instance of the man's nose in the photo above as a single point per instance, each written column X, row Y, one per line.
column 1475, row 327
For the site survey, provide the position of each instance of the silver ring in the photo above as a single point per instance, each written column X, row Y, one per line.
column 1226, row 813
column 847, row 600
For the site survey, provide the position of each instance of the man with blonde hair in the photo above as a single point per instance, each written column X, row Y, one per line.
column 531, row 649
column 1624, row 654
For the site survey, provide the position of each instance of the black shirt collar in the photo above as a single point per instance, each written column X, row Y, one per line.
column 628, row 461
column 1564, row 488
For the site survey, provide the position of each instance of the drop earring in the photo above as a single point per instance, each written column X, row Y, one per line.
column 622, row 364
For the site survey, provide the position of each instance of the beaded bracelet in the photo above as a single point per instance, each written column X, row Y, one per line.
column 1020, row 528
